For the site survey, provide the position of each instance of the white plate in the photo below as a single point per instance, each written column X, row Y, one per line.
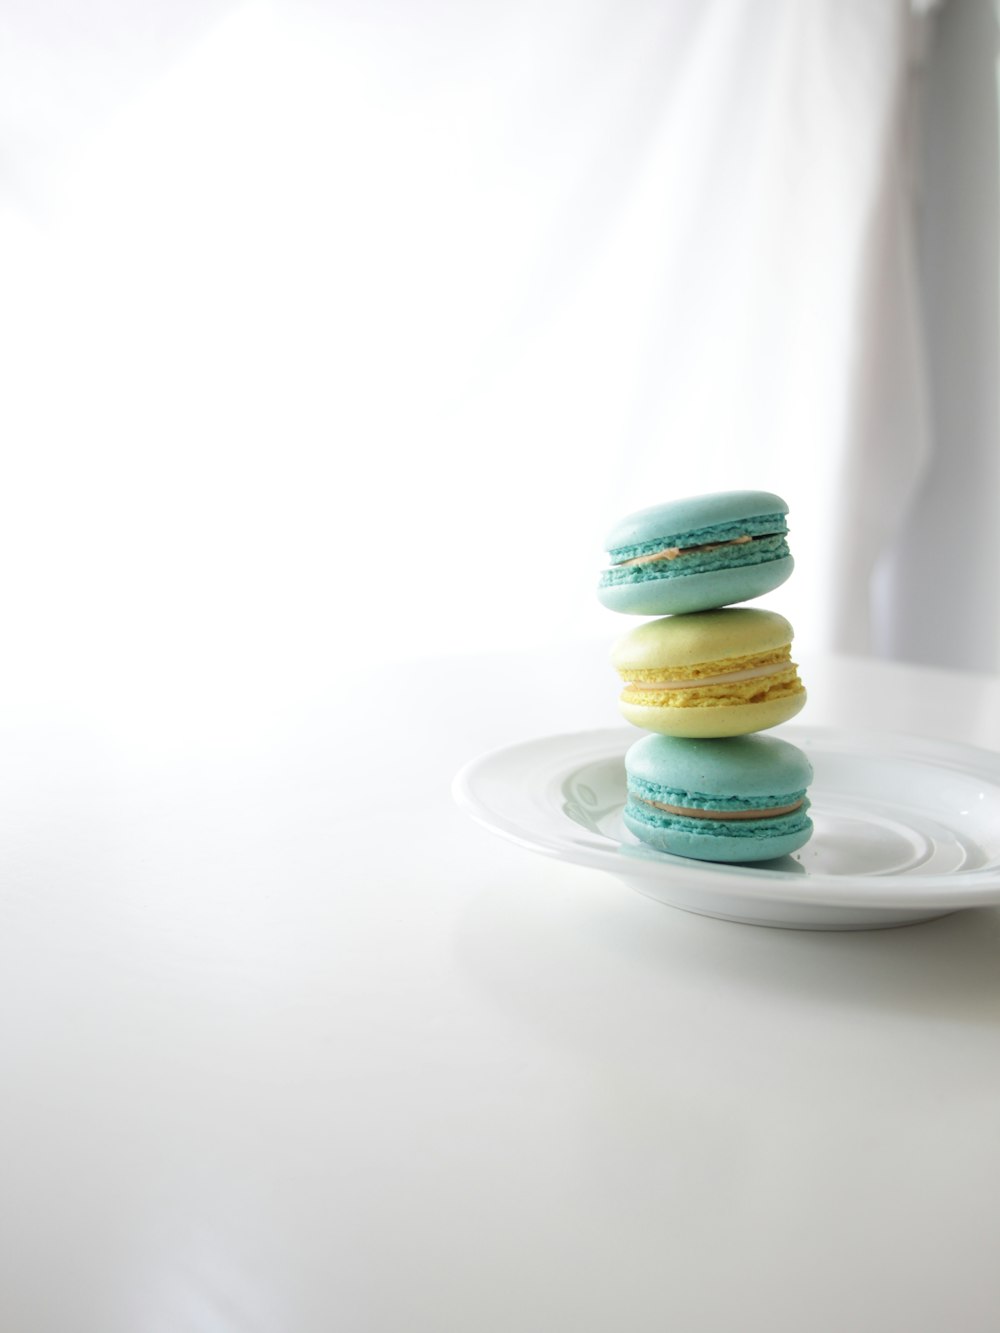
column 906, row 828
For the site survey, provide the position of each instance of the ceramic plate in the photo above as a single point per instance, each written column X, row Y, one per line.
column 906, row 828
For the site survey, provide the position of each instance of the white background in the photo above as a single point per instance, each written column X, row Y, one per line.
column 343, row 332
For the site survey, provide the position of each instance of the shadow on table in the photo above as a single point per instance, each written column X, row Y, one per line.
column 948, row 968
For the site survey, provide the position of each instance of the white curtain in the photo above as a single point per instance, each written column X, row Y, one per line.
column 361, row 322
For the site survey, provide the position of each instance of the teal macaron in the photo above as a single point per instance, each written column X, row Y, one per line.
column 697, row 554
column 738, row 799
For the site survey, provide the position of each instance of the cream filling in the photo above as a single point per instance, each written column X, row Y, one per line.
column 672, row 552
column 726, row 678
column 693, row 813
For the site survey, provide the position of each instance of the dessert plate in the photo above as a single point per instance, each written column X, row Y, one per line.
column 906, row 828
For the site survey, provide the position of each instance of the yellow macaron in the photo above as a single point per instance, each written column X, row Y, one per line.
column 710, row 673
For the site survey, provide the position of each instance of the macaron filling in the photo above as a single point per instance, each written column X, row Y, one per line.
column 723, row 678
column 748, row 541
column 691, row 812
column 702, row 813
column 757, row 679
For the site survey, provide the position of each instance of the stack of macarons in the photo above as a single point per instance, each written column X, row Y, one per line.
column 706, row 676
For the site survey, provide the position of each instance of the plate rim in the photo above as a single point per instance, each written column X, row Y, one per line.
column 949, row 891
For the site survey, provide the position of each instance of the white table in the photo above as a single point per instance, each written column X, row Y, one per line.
column 289, row 1043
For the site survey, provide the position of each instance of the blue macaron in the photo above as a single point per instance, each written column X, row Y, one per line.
column 696, row 554
column 738, row 799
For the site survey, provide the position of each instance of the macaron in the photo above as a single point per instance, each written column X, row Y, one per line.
column 696, row 554
column 711, row 673
column 741, row 799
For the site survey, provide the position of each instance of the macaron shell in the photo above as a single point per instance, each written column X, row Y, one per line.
column 702, row 638
column 754, row 771
column 692, row 513
column 718, row 720
column 684, row 593
column 718, row 847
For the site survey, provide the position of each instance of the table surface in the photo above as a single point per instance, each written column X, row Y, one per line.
column 290, row 1043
